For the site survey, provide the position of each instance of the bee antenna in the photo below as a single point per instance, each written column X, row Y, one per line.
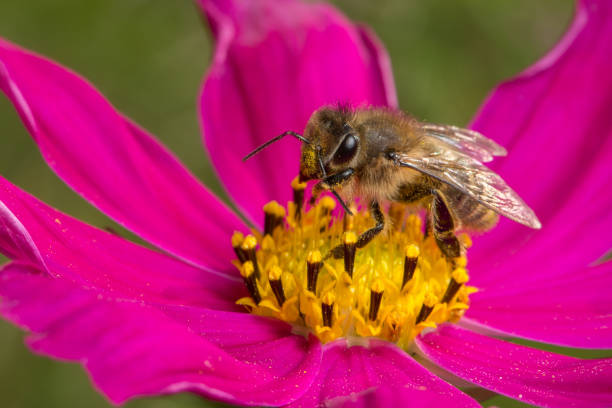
column 342, row 203
column 274, row 140
column 324, row 175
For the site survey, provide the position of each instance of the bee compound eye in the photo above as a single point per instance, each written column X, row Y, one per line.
column 347, row 149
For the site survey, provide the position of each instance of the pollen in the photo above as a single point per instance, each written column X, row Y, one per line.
column 307, row 269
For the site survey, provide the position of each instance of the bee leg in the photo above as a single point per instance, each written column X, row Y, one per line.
column 338, row 251
column 316, row 192
column 330, row 182
column 444, row 227
column 379, row 217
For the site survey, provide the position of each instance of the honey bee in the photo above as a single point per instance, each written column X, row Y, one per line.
column 382, row 155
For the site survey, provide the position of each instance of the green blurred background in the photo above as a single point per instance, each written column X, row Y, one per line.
column 148, row 57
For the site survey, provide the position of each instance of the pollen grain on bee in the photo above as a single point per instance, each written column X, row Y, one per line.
column 392, row 288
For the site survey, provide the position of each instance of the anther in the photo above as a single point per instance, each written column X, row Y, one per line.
column 428, row 304
column 237, row 239
column 458, row 278
column 314, row 263
column 327, row 205
column 248, row 246
column 274, row 214
column 466, row 241
column 327, row 308
column 350, row 246
column 411, row 257
column 298, row 196
column 250, row 280
column 376, row 294
column 461, row 262
column 274, row 277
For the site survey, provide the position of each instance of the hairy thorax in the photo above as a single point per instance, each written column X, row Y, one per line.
column 382, row 179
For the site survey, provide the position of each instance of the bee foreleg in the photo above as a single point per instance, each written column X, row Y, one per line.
column 444, row 226
column 338, row 251
column 316, row 192
column 330, row 182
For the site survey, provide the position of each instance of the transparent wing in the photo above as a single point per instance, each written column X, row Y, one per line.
column 469, row 176
column 468, row 141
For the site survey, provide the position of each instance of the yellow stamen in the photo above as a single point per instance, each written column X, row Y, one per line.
column 316, row 277
column 275, row 273
column 298, row 200
column 248, row 246
column 378, row 286
column 327, row 204
column 461, row 262
column 250, row 280
column 237, row 240
column 376, row 294
column 247, row 269
column 314, row 263
column 429, row 301
column 465, row 240
column 249, row 243
column 327, row 308
column 350, row 238
column 460, row 275
column 350, row 246
column 410, row 262
column 274, row 278
column 296, row 185
column 274, row 215
column 274, row 208
column 314, row 257
column 458, row 278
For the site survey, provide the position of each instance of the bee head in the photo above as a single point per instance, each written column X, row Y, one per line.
column 334, row 144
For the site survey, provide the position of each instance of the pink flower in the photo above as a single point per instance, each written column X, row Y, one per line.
column 144, row 322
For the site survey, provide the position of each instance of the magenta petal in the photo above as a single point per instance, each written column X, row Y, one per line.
column 352, row 372
column 35, row 233
column 275, row 62
column 530, row 375
column 247, row 337
column 385, row 396
column 115, row 165
column 554, row 119
column 132, row 348
column 575, row 311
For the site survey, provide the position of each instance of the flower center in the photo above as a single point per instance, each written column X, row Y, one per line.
column 393, row 288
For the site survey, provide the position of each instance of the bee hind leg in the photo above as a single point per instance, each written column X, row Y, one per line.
column 444, row 227
column 367, row 236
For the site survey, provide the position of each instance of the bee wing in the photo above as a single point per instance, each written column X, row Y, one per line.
column 468, row 141
column 471, row 177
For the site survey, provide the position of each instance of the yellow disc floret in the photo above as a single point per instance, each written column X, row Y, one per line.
column 412, row 251
column 460, row 275
column 306, row 269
